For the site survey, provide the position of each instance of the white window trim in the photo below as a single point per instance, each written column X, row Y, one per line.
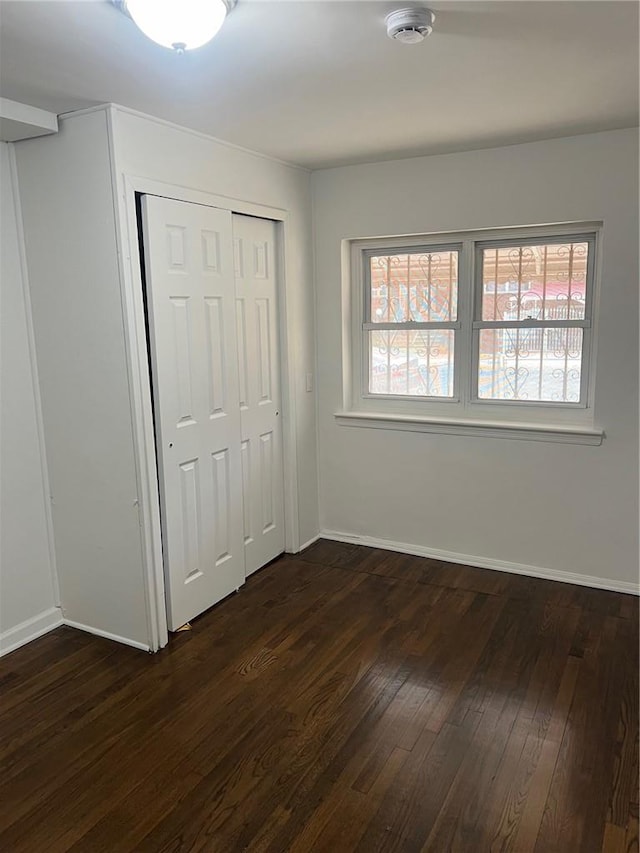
column 590, row 237
column 366, row 324
column 464, row 413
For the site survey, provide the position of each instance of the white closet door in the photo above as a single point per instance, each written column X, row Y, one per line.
column 189, row 267
column 259, row 378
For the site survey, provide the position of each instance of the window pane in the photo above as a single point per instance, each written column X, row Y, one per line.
column 545, row 282
column 412, row 363
column 420, row 287
column 530, row 364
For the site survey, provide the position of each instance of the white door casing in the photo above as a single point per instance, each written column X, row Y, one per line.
column 259, row 389
column 189, row 266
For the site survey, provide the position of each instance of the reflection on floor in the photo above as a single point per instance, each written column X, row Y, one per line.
column 348, row 699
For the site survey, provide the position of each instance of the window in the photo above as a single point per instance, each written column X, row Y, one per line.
column 411, row 319
column 531, row 319
column 484, row 326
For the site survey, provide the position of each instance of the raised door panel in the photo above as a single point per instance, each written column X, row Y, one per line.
column 181, row 331
column 265, row 345
column 190, row 519
column 216, row 355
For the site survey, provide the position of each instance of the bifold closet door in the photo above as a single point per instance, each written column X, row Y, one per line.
column 259, row 378
column 190, row 286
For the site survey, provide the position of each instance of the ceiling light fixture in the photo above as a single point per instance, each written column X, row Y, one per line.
column 178, row 24
column 410, row 26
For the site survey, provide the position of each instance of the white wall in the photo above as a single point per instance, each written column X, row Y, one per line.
column 539, row 506
column 156, row 150
column 70, row 228
column 27, row 593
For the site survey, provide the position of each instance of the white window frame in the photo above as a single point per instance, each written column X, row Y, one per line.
column 586, row 324
column 465, row 412
column 369, row 326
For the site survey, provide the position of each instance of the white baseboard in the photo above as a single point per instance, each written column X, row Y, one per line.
column 46, row 621
column 108, row 636
column 29, row 630
column 310, row 542
column 484, row 562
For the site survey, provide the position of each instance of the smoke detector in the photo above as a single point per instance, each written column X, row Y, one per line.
column 410, row 26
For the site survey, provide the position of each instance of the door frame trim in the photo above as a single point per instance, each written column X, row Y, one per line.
column 148, row 499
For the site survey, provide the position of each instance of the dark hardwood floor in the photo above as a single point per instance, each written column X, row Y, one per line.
column 348, row 699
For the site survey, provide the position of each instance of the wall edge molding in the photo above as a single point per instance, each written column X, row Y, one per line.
column 107, row 105
column 29, row 630
column 88, row 629
column 309, row 543
column 484, row 562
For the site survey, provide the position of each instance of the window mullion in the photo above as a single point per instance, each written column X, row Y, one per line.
column 464, row 343
column 531, row 324
column 409, row 326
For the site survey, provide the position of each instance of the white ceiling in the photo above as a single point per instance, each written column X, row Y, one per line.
column 319, row 83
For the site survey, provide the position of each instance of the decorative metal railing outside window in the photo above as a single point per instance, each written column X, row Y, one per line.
column 411, row 322
column 530, row 333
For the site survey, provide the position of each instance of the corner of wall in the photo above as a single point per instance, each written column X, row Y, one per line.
column 29, row 577
column 34, row 376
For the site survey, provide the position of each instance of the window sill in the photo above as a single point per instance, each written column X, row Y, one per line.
column 489, row 429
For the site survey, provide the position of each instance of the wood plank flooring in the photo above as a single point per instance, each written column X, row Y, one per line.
column 348, row 699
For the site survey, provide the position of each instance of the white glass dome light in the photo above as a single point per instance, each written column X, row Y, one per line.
column 179, row 24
